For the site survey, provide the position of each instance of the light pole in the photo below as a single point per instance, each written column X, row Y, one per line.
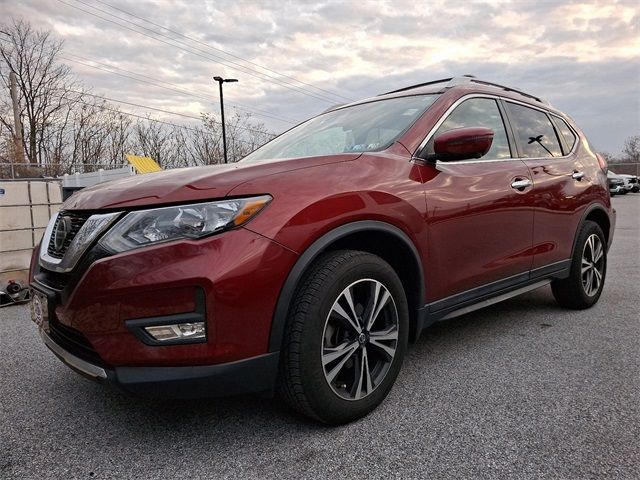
column 220, row 81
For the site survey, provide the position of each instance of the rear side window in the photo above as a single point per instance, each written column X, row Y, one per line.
column 535, row 132
column 567, row 134
column 478, row 112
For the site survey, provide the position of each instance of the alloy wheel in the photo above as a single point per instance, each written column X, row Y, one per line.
column 360, row 339
column 592, row 267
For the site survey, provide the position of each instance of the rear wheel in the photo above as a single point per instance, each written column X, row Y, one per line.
column 345, row 338
column 584, row 285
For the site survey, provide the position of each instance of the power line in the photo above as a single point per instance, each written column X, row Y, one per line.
column 223, row 51
column 137, row 105
column 258, row 132
column 173, row 87
column 190, row 49
column 129, row 114
column 169, row 112
column 146, row 118
column 177, row 89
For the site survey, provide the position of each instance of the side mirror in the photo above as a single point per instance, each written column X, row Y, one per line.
column 462, row 144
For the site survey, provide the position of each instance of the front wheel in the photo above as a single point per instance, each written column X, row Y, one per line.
column 584, row 285
column 345, row 338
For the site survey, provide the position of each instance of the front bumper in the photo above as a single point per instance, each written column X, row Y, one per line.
column 238, row 274
column 230, row 281
column 251, row 375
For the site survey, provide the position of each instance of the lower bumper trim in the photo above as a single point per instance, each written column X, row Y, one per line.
column 250, row 375
column 72, row 361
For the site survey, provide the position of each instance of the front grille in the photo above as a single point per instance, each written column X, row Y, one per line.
column 75, row 221
column 74, row 342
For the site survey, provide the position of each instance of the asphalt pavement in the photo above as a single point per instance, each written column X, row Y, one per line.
column 522, row 389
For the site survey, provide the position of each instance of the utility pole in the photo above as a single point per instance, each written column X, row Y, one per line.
column 17, row 124
column 220, row 81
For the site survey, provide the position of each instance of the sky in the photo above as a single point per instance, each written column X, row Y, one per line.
column 294, row 60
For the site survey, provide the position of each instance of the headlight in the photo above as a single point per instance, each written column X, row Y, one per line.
column 146, row 227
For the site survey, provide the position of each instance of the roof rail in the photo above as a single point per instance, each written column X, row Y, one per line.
column 509, row 89
column 466, row 79
column 434, row 82
column 333, row 107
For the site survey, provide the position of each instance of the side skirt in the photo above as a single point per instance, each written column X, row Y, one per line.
column 485, row 295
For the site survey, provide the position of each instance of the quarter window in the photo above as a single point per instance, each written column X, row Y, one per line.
column 535, row 133
column 567, row 134
column 478, row 112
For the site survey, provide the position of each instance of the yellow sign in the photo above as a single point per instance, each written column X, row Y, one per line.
column 143, row 164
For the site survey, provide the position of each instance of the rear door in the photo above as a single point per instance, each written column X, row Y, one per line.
column 546, row 144
column 480, row 224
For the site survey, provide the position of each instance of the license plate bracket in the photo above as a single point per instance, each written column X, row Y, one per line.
column 40, row 310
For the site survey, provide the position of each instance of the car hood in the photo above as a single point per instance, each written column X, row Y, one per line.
column 186, row 184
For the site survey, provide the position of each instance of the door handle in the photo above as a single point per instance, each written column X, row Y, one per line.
column 576, row 175
column 521, row 183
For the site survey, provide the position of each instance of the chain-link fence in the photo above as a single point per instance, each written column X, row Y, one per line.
column 51, row 170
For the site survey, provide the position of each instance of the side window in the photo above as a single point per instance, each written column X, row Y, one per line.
column 567, row 134
column 534, row 131
column 478, row 112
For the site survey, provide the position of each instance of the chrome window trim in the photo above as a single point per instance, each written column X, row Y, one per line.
column 478, row 160
column 455, row 104
column 75, row 251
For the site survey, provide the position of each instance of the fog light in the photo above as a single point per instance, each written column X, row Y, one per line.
column 178, row 331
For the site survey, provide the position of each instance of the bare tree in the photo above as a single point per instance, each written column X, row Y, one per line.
column 153, row 140
column 119, row 131
column 244, row 136
column 631, row 150
column 67, row 129
column 45, row 85
column 206, row 143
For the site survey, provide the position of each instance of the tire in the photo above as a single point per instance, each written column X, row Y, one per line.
column 583, row 289
column 318, row 339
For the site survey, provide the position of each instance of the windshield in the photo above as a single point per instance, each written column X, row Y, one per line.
column 361, row 128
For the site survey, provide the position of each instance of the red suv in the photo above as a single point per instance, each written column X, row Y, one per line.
column 307, row 267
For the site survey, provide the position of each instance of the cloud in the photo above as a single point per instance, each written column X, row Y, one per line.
column 583, row 56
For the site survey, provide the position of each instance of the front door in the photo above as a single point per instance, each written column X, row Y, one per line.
column 480, row 219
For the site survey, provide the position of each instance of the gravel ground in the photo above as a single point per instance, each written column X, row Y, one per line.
column 521, row 389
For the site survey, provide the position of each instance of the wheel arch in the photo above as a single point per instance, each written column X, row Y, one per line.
column 596, row 213
column 379, row 238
